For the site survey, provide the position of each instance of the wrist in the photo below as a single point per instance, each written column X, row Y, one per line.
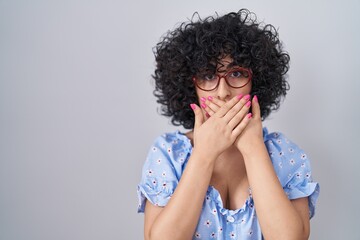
column 204, row 156
column 250, row 146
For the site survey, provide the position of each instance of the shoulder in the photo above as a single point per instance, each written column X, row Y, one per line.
column 289, row 160
column 171, row 142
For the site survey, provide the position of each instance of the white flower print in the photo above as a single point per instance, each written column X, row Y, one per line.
column 291, row 150
column 289, row 175
column 154, row 149
column 158, row 161
column 169, row 150
column 250, row 232
column 163, row 174
column 281, row 153
column 243, row 220
column 175, row 142
column 292, row 161
column 207, row 223
column 220, row 230
column 279, row 141
column 163, row 145
column 298, row 174
column 164, row 185
column 271, row 153
column 207, row 198
column 181, row 154
column 197, row 235
column 154, row 182
column 150, row 172
column 181, row 159
column 303, row 156
column 280, row 164
column 213, row 235
column 214, row 211
column 307, row 175
column 276, row 135
column 232, row 235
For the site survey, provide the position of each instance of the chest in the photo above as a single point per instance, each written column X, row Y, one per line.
column 233, row 187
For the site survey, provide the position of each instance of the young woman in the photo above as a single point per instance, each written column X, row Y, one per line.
column 228, row 177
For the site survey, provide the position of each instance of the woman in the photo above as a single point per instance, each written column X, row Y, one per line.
column 227, row 178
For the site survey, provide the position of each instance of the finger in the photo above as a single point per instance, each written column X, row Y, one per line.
column 210, row 107
column 240, row 127
column 224, row 109
column 199, row 118
column 208, row 111
column 240, row 115
column 217, row 101
column 214, row 104
column 256, row 111
column 236, row 108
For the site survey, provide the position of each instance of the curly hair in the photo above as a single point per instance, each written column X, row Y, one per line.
column 197, row 45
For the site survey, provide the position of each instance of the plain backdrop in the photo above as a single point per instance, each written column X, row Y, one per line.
column 77, row 113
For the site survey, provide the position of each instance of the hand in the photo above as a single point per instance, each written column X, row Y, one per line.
column 219, row 132
column 253, row 130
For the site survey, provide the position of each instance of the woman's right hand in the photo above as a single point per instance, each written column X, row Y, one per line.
column 216, row 134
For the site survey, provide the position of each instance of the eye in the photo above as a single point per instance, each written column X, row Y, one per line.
column 236, row 74
column 239, row 73
column 209, row 77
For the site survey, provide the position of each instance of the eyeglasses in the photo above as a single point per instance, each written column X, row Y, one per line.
column 236, row 78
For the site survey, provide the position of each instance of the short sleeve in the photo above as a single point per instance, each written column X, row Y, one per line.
column 162, row 169
column 293, row 169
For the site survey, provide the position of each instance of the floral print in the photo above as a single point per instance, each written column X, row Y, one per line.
column 167, row 160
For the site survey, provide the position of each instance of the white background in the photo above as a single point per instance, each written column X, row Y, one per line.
column 77, row 114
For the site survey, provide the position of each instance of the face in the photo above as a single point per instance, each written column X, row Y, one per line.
column 224, row 92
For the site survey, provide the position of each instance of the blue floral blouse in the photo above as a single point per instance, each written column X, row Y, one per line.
column 167, row 160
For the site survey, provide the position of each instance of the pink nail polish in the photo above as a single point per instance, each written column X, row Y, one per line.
column 247, row 97
column 193, row 106
column 239, row 96
column 255, row 98
column 248, row 104
column 203, row 99
column 210, row 98
column 207, row 114
column 249, row 115
column 203, row 105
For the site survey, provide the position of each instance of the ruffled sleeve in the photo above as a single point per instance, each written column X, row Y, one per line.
column 293, row 168
column 162, row 169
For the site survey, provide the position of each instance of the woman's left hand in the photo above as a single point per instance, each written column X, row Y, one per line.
column 252, row 133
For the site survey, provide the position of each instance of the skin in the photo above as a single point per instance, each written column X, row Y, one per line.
column 228, row 153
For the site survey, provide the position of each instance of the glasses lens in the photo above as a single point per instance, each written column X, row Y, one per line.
column 206, row 81
column 238, row 77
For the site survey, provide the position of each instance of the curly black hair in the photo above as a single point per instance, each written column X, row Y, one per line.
column 201, row 44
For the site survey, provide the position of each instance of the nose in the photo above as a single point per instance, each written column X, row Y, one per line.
column 223, row 90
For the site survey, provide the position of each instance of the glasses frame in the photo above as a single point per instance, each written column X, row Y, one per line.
column 224, row 76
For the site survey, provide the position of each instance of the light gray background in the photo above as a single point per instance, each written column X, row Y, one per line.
column 77, row 114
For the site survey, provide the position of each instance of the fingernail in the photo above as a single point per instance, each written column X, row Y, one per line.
column 207, row 114
column 239, row 96
column 249, row 115
column 203, row 99
column 210, row 98
column 247, row 97
column 255, row 98
column 203, row 105
column 193, row 106
column 248, row 104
